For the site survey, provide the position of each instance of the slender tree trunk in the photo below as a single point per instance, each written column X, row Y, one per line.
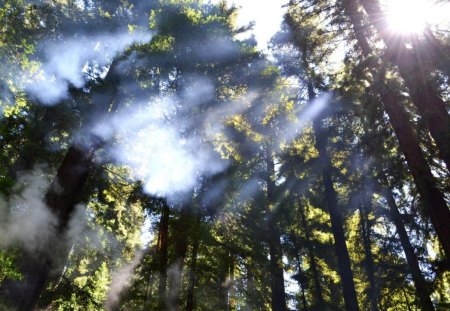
column 276, row 273
column 368, row 260
column 422, row 288
column 423, row 93
column 181, row 231
column 432, row 198
column 150, row 273
column 344, row 264
column 305, row 304
column 301, row 279
column 312, row 259
column 190, row 300
column 231, row 303
column 274, row 236
column 250, row 291
column 345, row 271
column 337, row 226
column 408, row 305
column 163, row 256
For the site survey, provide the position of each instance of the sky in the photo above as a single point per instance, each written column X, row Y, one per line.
column 267, row 15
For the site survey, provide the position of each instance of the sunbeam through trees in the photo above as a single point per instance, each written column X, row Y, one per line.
column 163, row 155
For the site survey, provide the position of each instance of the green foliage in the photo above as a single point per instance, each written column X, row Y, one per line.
column 8, row 270
column 210, row 248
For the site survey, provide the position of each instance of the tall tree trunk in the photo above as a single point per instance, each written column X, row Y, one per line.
column 337, row 226
column 408, row 305
column 301, row 278
column 345, row 271
column 250, row 290
column 276, row 272
column 368, row 258
column 423, row 93
column 274, row 236
column 432, row 198
column 190, row 299
column 422, row 288
column 312, row 258
column 163, row 256
column 181, row 230
column 231, row 301
column 65, row 192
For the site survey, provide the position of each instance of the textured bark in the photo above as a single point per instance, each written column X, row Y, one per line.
column 422, row 288
column 423, row 93
column 432, row 198
column 274, row 236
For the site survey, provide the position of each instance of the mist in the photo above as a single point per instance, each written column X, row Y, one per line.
column 163, row 143
column 24, row 217
column 66, row 63
column 189, row 132
column 121, row 279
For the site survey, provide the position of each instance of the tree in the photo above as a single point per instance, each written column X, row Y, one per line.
column 154, row 160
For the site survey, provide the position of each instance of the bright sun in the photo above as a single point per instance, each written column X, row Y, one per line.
column 411, row 16
column 407, row 16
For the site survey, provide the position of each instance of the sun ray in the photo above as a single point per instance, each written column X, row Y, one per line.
column 413, row 16
column 407, row 16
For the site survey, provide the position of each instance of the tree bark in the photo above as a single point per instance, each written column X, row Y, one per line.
column 274, row 236
column 432, row 198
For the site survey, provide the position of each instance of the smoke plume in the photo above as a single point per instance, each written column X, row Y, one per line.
column 67, row 63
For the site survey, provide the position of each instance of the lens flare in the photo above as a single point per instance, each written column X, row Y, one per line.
column 412, row 16
column 407, row 16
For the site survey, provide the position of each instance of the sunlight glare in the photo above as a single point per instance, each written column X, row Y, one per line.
column 407, row 16
column 267, row 18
